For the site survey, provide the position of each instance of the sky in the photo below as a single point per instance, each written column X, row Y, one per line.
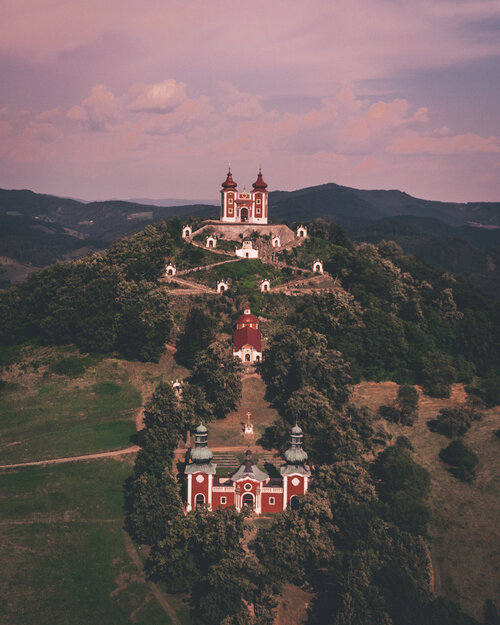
column 127, row 99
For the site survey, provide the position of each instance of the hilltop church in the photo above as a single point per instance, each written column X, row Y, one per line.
column 248, row 485
column 243, row 206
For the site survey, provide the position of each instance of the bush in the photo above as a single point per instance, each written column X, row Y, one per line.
column 438, row 373
column 405, row 408
column 461, row 458
column 488, row 389
column 453, row 422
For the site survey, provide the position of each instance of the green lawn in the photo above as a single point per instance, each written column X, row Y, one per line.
column 65, row 418
column 63, row 550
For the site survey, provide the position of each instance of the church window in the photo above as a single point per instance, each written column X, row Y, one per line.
column 271, row 501
column 295, row 481
column 258, row 201
column 223, row 500
column 247, row 487
column 200, row 478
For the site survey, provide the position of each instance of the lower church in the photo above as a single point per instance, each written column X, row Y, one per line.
column 248, row 485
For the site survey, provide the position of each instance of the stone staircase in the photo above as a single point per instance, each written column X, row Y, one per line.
column 226, row 459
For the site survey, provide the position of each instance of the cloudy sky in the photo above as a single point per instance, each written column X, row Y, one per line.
column 153, row 98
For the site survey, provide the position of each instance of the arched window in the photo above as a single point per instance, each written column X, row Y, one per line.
column 294, row 502
column 244, row 214
column 199, row 500
column 247, row 357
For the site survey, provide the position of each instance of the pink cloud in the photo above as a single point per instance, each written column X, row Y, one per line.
column 98, row 111
column 468, row 143
column 162, row 97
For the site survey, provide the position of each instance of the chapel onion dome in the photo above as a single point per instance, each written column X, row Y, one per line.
column 229, row 183
column 247, row 318
column 295, row 454
column 201, row 454
column 259, row 183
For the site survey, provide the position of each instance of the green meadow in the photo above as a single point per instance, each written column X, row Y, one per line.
column 65, row 557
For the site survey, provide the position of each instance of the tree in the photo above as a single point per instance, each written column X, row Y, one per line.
column 453, row 422
column 405, row 408
column 152, row 501
column 438, row 373
column 218, row 374
column 461, row 458
column 297, row 358
column 199, row 332
column 145, row 320
column 165, row 423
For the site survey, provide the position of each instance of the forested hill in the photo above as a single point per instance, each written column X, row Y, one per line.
column 349, row 206
column 459, row 238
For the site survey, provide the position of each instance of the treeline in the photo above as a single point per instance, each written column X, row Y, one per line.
column 103, row 302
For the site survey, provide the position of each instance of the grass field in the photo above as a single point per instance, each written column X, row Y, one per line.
column 65, row 417
column 229, row 431
column 63, row 550
column 465, row 538
column 46, row 414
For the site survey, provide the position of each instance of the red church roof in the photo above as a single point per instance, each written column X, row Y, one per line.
column 229, row 183
column 246, row 319
column 259, row 183
column 246, row 336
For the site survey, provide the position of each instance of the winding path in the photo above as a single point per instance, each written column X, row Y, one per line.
column 104, row 454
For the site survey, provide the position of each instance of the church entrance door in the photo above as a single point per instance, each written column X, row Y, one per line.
column 244, row 214
column 247, row 500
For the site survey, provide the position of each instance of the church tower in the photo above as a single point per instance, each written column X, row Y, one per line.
column 295, row 472
column 200, row 472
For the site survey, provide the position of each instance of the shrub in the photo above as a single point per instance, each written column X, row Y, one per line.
column 438, row 373
column 453, row 422
column 461, row 458
column 405, row 408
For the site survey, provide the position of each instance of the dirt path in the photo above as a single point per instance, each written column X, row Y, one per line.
column 160, row 597
column 103, row 454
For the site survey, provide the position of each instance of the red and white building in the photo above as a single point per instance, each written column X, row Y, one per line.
column 248, row 485
column 247, row 341
column 245, row 206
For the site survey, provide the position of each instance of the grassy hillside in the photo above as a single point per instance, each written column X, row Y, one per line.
column 66, row 559
column 464, row 534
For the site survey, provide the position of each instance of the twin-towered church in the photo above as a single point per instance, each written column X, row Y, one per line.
column 244, row 206
column 248, row 485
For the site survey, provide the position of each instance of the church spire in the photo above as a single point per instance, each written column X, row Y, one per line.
column 229, row 183
column 259, row 183
column 295, row 454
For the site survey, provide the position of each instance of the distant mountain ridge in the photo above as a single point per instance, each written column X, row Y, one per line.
column 349, row 206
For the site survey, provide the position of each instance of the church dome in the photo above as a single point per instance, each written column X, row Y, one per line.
column 246, row 318
column 201, row 454
column 295, row 454
column 229, row 183
column 259, row 183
